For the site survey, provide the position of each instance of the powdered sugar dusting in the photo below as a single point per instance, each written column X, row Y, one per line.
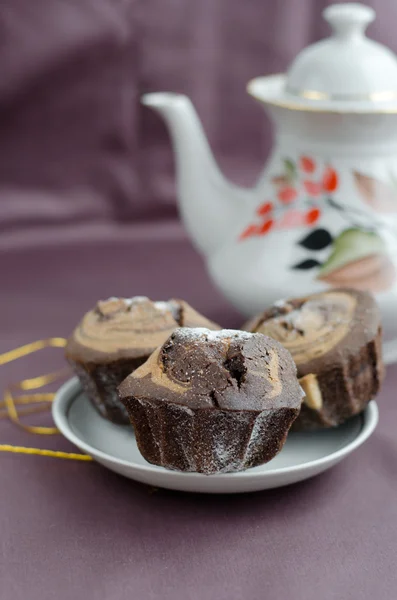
column 160, row 305
column 127, row 301
column 163, row 306
column 228, row 455
column 136, row 300
column 221, row 448
column 280, row 303
column 202, row 333
column 225, row 457
column 228, row 333
column 292, row 318
column 258, row 430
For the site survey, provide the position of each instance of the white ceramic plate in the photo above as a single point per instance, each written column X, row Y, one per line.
column 304, row 454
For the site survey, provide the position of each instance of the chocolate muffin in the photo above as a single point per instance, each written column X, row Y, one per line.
column 117, row 336
column 213, row 401
column 335, row 340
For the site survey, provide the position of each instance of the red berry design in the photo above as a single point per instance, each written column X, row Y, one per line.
column 330, row 180
column 287, row 194
column 307, row 164
column 249, row 231
column 266, row 227
column 264, row 209
column 313, row 216
column 312, row 187
column 292, row 218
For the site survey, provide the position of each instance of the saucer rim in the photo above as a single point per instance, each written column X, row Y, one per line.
column 69, row 391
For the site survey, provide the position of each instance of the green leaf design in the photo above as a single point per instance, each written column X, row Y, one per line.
column 351, row 245
column 335, row 204
column 290, row 169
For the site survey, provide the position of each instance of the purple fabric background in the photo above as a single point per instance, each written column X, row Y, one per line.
column 74, row 530
column 88, row 210
column 75, row 143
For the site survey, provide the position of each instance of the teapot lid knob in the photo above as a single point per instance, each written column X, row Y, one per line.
column 349, row 19
column 346, row 72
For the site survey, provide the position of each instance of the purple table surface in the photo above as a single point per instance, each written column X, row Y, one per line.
column 74, row 530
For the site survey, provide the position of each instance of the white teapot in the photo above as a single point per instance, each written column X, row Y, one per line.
column 324, row 212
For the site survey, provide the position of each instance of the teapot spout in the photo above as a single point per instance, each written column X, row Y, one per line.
column 209, row 205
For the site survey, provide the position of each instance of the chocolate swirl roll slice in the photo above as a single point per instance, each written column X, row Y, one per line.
column 213, row 401
column 116, row 337
column 335, row 340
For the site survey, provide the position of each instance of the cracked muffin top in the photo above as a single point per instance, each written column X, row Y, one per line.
column 322, row 329
column 226, row 370
column 120, row 328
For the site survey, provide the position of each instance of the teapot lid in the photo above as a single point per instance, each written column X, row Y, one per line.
column 346, row 72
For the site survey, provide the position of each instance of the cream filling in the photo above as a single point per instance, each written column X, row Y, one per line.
column 132, row 323
column 154, row 369
column 313, row 397
column 138, row 326
column 271, row 375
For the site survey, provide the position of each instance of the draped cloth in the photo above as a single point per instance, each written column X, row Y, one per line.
column 87, row 210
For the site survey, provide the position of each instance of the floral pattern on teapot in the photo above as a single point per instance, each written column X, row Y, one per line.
column 299, row 193
column 357, row 256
